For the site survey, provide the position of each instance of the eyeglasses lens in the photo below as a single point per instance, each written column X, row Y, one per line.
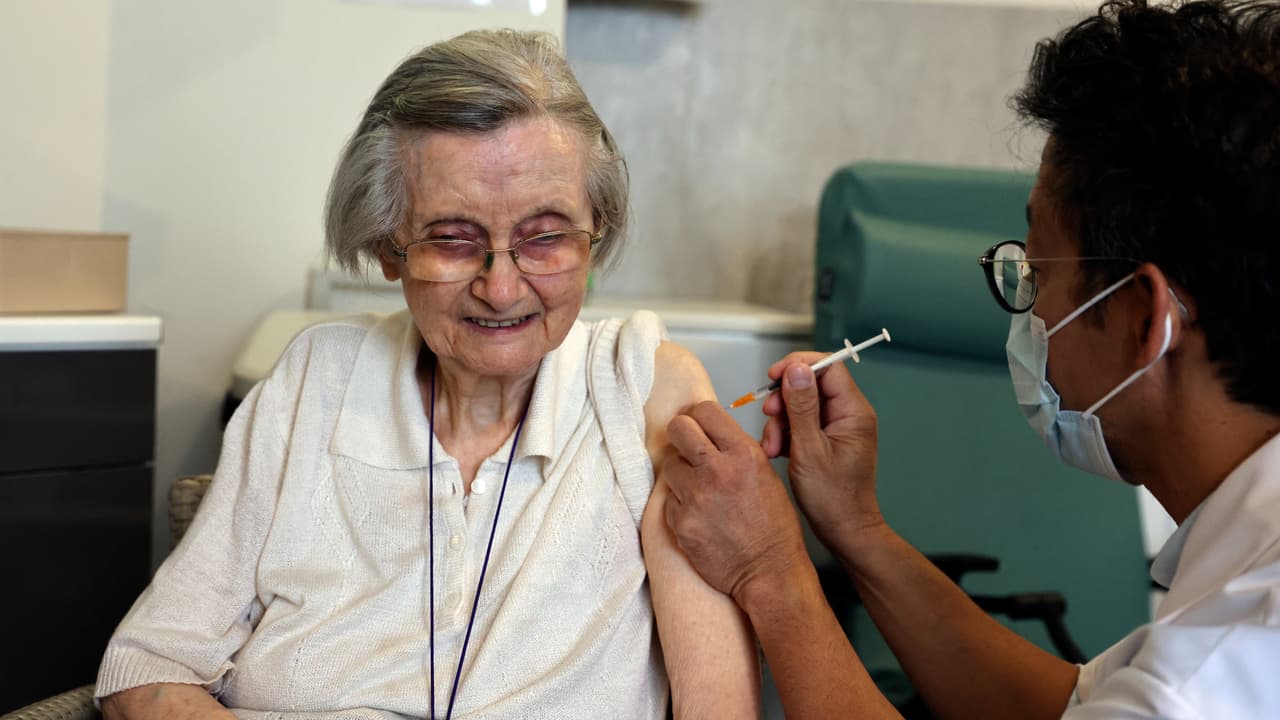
column 454, row 260
column 1014, row 278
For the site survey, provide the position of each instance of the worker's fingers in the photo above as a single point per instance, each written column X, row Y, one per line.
column 804, row 413
column 719, row 426
column 688, row 438
column 671, row 509
column 774, row 438
column 676, row 473
column 841, row 397
column 773, row 406
column 806, row 357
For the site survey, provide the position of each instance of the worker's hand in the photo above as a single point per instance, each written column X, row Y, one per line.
column 828, row 429
column 729, row 511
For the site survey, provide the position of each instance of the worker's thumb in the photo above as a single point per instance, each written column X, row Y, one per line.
column 800, row 394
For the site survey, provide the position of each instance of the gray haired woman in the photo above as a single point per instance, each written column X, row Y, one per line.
column 451, row 511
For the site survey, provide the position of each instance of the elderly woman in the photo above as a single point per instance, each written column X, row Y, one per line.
column 451, row 511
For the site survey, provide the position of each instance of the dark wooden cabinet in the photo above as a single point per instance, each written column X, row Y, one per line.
column 77, row 432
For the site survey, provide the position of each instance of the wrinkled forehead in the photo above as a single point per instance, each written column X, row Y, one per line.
column 498, row 176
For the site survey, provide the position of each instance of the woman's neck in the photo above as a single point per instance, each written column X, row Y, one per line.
column 474, row 415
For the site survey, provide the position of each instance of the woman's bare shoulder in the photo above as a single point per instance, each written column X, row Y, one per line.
column 679, row 382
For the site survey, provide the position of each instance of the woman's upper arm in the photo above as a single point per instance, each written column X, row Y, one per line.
column 707, row 642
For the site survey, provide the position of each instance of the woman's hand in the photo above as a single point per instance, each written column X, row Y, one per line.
column 164, row 701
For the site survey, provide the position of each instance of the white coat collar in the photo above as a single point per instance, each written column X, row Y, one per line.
column 1165, row 564
column 1227, row 535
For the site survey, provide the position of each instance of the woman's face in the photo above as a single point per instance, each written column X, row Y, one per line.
column 496, row 188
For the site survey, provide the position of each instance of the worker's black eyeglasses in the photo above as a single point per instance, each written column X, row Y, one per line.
column 1011, row 275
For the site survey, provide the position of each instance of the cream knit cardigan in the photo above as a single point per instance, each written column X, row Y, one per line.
column 300, row 590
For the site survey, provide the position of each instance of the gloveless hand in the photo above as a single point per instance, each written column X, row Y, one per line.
column 829, row 431
column 729, row 511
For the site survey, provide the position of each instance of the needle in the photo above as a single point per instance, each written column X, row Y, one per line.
column 850, row 351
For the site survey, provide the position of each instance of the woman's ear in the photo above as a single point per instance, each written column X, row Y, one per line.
column 390, row 264
column 1159, row 327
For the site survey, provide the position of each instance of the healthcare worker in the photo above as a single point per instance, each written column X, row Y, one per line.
column 1143, row 348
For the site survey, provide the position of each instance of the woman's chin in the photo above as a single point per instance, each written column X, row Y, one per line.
column 513, row 351
column 512, row 369
column 500, row 363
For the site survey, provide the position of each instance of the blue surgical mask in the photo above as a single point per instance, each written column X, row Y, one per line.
column 1074, row 437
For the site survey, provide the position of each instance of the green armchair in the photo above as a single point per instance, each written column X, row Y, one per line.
column 960, row 471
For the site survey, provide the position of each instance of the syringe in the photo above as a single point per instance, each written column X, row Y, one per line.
column 850, row 351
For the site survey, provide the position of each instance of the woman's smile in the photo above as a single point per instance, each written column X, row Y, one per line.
column 499, row 326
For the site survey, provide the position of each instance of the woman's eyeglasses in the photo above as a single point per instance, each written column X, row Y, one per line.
column 455, row 259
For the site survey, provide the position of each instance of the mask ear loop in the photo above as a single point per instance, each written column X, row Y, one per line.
column 1164, row 347
column 1096, row 299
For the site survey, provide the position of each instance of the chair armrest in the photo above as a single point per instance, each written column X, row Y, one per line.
column 185, row 495
column 71, row 705
column 956, row 565
column 1047, row 607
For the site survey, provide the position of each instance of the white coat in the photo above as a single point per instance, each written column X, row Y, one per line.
column 1213, row 649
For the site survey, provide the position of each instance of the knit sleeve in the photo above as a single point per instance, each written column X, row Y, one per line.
column 201, row 605
column 621, row 371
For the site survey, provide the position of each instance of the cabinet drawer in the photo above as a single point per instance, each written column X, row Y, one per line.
column 78, row 553
column 76, row 408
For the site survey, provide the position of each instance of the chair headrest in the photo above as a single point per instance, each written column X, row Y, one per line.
column 898, row 248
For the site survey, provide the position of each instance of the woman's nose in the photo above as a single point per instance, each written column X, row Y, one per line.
column 502, row 284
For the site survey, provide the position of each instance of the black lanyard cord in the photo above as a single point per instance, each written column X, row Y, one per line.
column 431, row 569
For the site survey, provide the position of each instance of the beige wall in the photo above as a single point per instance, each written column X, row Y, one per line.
column 734, row 113
column 53, row 86
column 223, row 125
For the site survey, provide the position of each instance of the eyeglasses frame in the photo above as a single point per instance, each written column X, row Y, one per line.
column 987, row 261
column 514, row 250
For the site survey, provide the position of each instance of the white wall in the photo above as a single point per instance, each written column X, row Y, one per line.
column 224, row 120
column 53, row 87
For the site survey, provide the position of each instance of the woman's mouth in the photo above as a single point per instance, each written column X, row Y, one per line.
column 500, row 324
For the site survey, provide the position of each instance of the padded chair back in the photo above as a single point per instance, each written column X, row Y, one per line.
column 960, row 470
